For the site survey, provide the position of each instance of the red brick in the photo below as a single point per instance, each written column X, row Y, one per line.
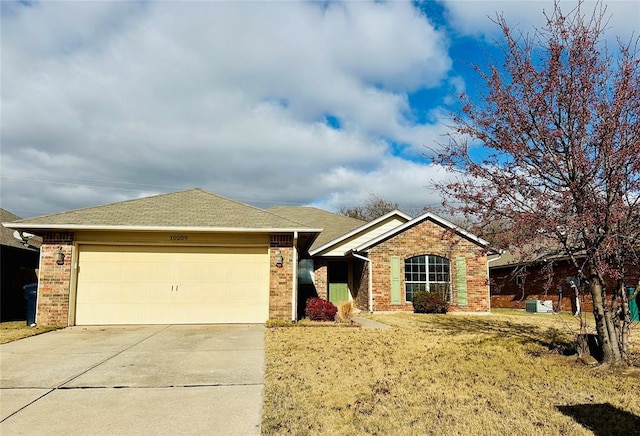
column 428, row 238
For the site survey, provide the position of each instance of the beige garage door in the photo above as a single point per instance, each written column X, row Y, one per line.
column 172, row 285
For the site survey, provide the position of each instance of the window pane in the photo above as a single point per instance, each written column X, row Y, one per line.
column 438, row 269
column 427, row 273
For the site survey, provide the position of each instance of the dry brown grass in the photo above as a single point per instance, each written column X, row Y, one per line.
column 13, row 330
column 444, row 375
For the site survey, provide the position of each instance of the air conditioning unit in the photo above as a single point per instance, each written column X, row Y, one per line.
column 538, row 306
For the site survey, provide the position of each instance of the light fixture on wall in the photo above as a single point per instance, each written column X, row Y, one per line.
column 59, row 256
column 279, row 259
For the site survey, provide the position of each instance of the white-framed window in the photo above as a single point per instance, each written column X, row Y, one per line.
column 427, row 273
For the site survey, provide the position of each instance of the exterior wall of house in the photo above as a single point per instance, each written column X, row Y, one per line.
column 358, row 283
column 170, row 239
column 321, row 277
column 512, row 286
column 361, row 284
column 280, row 283
column 54, row 281
column 428, row 238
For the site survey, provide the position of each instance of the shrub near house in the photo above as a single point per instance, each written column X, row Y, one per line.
column 429, row 302
column 320, row 310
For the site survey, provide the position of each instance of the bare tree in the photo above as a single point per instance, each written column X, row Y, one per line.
column 373, row 208
column 559, row 123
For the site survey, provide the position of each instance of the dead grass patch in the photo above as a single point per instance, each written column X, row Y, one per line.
column 441, row 374
column 13, row 330
column 309, row 323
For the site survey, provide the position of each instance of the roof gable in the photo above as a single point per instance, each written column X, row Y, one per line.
column 369, row 230
column 333, row 225
column 427, row 216
column 192, row 209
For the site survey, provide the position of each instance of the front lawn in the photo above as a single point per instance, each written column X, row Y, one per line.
column 14, row 330
column 444, row 375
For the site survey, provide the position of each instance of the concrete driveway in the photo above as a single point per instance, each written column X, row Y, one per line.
column 157, row 380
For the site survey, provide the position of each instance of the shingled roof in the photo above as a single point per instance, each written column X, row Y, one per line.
column 333, row 225
column 6, row 234
column 192, row 209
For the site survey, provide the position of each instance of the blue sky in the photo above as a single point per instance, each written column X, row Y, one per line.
column 295, row 103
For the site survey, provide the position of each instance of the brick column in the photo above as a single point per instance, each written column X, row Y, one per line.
column 54, row 281
column 280, row 278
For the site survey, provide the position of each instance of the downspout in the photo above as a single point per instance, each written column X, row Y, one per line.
column 73, row 284
column 294, row 290
column 369, row 265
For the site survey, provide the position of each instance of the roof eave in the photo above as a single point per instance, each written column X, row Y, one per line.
column 44, row 227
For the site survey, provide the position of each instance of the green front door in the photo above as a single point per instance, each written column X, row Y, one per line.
column 338, row 293
column 338, row 282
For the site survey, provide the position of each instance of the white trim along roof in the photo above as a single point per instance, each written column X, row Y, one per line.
column 28, row 226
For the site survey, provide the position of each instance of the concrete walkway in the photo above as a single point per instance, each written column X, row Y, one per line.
column 367, row 323
column 155, row 380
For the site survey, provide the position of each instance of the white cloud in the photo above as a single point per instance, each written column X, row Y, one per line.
column 410, row 184
column 228, row 96
column 473, row 17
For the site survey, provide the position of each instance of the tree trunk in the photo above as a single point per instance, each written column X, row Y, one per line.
column 611, row 352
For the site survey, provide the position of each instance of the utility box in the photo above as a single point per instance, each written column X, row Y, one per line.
column 633, row 305
column 538, row 306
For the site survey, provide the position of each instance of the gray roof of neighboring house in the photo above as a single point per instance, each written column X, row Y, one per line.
column 334, row 225
column 529, row 254
column 192, row 209
column 6, row 234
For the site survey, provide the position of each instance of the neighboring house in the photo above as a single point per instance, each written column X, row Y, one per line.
column 545, row 275
column 19, row 261
column 196, row 257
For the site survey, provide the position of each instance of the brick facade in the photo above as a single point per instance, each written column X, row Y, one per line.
column 361, row 284
column 321, row 277
column 424, row 238
column 428, row 238
column 536, row 284
column 280, row 282
column 54, row 281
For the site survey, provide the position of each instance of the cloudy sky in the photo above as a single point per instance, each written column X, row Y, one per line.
column 267, row 102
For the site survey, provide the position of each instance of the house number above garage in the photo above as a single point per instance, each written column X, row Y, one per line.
column 178, row 237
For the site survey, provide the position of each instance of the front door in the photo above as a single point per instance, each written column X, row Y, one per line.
column 338, row 282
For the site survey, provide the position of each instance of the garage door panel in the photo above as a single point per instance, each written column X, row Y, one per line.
column 169, row 285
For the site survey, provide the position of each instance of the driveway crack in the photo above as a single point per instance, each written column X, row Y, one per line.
column 199, row 385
